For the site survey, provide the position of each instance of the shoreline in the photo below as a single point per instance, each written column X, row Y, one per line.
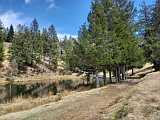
column 40, row 79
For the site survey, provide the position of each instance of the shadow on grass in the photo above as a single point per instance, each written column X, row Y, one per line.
column 140, row 75
column 142, row 70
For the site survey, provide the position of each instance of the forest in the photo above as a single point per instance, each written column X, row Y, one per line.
column 115, row 38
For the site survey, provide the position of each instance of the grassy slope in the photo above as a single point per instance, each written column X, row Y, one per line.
column 44, row 76
column 142, row 102
column 113, row 102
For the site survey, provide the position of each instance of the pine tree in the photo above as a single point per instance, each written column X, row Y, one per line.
column 17, row 48
column 108, row 36
column 45, row 42
column 63, row 43
column 154, row 37
column 97, row 44
column 35, row 42
column 54, row 48
column 110, row 40
column 124, row 44
column 151, row 29
column 82, row 48
column 10, row 34
column 69, row 53
column 20, row 49
column 1, row 44
column 39, row 47
column 27, row 45
column 63, row 47
column 5, row 31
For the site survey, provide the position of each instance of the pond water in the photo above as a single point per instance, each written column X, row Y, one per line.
column 9, row 91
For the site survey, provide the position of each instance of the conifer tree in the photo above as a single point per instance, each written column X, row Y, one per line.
column 10, row 34
column 151, row 29
column 82, row 48
column 69, row 53
column 17, row 49
column 110, row 39
column 34, row 41
column 1, row 44
column 97, row 44
column 45, row 42
column 40, row 47
column 5, row 31
column 54, row 48
column 63, row 43
column 126, row 47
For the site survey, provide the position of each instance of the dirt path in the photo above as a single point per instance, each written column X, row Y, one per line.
column 88, row 105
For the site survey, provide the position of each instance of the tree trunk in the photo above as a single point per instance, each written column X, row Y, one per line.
column 10, row 92
column 119, row 77
column 49, row 64
column 44, row 59
column 132, row 71
column 88, row 78
column 11, row 72
column 157, row 66
column 110, row 76
column 123, row 73
column 116, row 75
column 97, row 79
column 126, row 72
column 104, row 77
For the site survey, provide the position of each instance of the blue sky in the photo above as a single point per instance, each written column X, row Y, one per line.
column 66, row 15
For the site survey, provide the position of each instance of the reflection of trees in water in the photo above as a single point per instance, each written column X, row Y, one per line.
column 21, row 89
column 53, row 88
column 36, row 89
column 66, row 84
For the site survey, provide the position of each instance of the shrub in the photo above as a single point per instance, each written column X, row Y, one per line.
column 8, row 79
column 68, row 73
column 93, row 85
column 101, row 83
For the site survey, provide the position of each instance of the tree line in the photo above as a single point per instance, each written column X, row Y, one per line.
column 116, row 37
column 29, row 46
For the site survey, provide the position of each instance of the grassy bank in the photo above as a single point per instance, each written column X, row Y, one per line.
column 20, row 103
column 41, row 78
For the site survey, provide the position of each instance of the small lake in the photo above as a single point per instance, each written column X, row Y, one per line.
column 12, row 90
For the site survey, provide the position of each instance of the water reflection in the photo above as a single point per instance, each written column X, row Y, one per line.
column 10, row 91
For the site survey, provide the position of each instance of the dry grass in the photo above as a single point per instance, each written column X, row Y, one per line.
column 20, row 103
column 148, row 67
column 140, row 102
column 113, row 102
column 73, row 77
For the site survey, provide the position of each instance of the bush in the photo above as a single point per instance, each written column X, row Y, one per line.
column 101, row 83
column 93, row 85
column 8, row 79
column 68, row 72
column 61, row 72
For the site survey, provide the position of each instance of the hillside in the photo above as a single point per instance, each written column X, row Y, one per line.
column 5, row 63
column 118, row 101
column 39, row 73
